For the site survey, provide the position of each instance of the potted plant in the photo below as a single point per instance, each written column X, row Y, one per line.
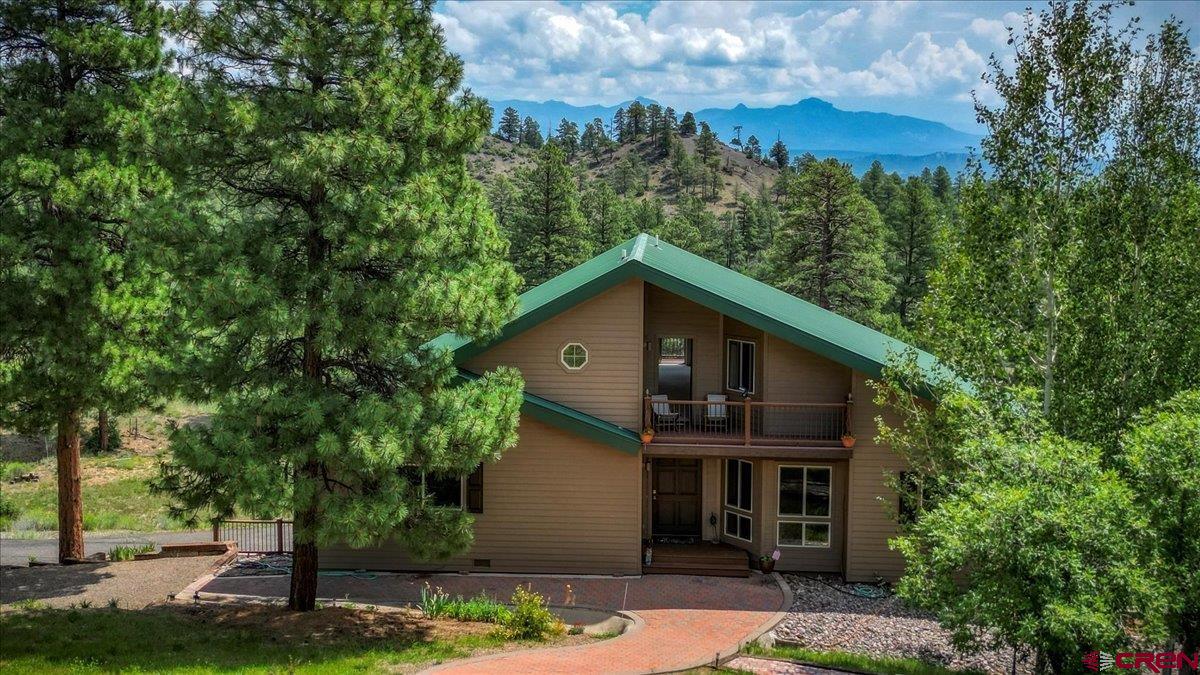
column 647, row 435
column 767, row 562
column 847, row 441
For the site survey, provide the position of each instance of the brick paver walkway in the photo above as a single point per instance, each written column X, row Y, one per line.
column 685, row 621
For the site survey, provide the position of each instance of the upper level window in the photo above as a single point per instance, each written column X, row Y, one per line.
column 739, row 366
column 574, row 356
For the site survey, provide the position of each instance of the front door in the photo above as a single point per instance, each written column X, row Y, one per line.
column 676, row 497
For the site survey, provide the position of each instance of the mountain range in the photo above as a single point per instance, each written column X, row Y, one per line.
column 902, row 143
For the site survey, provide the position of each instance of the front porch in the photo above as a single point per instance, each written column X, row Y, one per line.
column 700, row 557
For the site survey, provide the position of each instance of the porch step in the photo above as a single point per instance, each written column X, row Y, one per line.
column 698, row 569
column 699, row 559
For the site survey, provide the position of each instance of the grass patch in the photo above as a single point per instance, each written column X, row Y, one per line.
column 123, row 553
column 10, row 470
column 209, row 640
column 857, row 662
column 116, row 496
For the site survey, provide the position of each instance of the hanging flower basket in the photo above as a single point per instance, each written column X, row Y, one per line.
column 647, row 435
column 847, row 441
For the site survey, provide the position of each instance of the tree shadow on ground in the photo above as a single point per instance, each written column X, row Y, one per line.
column 49, row 582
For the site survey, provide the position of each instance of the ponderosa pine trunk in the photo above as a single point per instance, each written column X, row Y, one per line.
column 302, row 597
column 70, row 490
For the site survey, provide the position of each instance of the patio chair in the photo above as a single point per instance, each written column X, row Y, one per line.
column 716, row 413
column 664, row 416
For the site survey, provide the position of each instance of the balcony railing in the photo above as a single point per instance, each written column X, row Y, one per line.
column 744, row 422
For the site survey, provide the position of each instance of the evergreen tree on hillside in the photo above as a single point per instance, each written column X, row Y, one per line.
column 683, row 167
column 912, row 224
column 687, row 125
column 347, row 236
column 647, row 215
column 693, row 228
column 82, row 300
column 706, row 143
column 607, row 216
column 510, row 125
column 593, row 141
column 942, row 186
column 779, row 155
column 620, row 127
column 531, row 133
column 752, row 149
column 829, row 246
column 654, row 119
column 550, row 235
column 505, row 202
column 636, row 120
column 567, row 137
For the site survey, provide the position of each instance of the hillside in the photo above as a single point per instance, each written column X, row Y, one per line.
column 738, row 173
column 902, row 143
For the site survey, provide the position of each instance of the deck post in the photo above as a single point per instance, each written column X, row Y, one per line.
column 746, row 421
column 216, row 529
column 646, row 412
column 279, row 534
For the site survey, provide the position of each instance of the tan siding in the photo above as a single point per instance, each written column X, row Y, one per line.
column 669, row 315
column 555, row 503
column 798, row 375
column 872, row 506
column 609, row 325
column 711, row 497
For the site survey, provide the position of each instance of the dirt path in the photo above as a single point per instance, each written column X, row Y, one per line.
column 133, row 585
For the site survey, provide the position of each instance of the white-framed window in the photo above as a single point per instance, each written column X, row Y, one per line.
column 739, row 490
column 739, row 484
column 805, row 506
column 738, row 526
column 573, row 356
column 739, row 365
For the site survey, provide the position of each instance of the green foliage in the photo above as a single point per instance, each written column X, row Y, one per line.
column 829, row 246
column 687, row 125
column 8, row 512
column 530, row 618
column 1160, row 455
column 91, row 443
column 347, row 235
column 858, row 663
column 80, row 297
column 123, row 553
column 1040, row 547
column 510, row 125
column 549, row 235
column 912, row 221
column 436, row 603
column 779, row 155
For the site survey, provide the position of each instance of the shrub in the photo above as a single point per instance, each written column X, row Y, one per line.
column 530, row 618
column 8, row 512
column 435, row 603
column 120, row 553
column 91, row 444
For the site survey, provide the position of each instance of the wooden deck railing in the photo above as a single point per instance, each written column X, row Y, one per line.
column 256, row 536
column 744, row 422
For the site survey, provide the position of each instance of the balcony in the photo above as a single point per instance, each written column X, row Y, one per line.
column 745, row 423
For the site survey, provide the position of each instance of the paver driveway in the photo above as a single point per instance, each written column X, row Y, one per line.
column 684, row 621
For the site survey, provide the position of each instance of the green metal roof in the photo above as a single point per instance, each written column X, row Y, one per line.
column 571, row 419
column 704, row 282
column 707, row 283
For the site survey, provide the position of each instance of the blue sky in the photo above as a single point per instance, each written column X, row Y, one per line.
column 915, row 58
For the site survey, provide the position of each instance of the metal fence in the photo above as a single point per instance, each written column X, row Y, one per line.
column 256, row 536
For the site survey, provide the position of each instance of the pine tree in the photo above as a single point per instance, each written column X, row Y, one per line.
column 829, row 247
column 620, row 126
column 706, row 143
column 505, row 203
column 637, row 120
column 667, row 131
column 654, row 120
column 687, row 126
column 348, row 235
column 943, row 186
column 510, row 126
column 912, row 228
column 81, row 201
column 752, row 149
column 608, row 219
column 567, row 137
column 531, row 133
column 593, row 140
column 550, row 236
column 779, row 155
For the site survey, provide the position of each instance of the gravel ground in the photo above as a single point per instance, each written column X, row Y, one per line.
column 826, row 616
column 133, row 584
column 752, row 664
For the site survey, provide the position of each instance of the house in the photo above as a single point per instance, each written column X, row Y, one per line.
column 749, row 391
